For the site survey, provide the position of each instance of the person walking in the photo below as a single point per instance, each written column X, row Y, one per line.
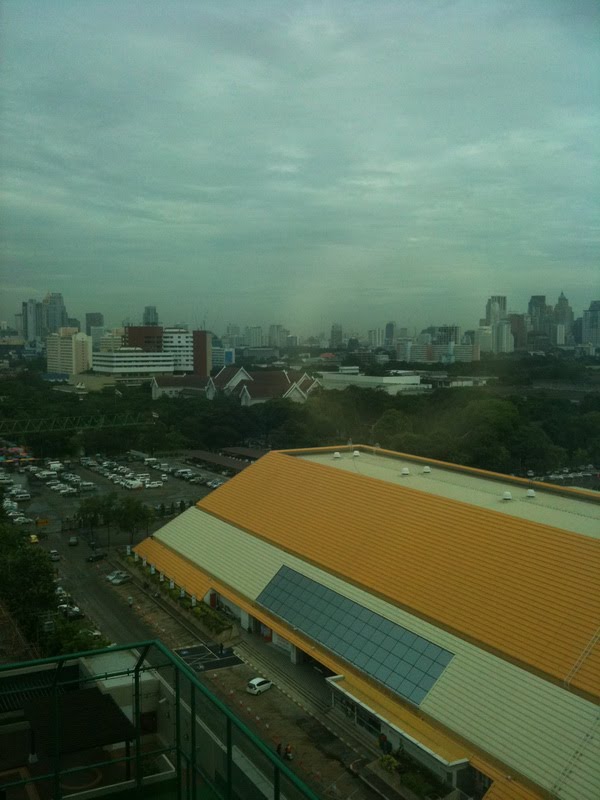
column 279, row 749
column 288, row 752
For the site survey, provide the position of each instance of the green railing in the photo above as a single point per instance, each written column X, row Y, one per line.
column 181, row 741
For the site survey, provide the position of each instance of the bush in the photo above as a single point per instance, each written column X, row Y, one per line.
column 388, row 763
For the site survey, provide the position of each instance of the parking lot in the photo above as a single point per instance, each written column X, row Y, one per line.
column 52, row 497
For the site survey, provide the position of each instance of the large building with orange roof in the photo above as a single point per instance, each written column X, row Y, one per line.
column 457, row 609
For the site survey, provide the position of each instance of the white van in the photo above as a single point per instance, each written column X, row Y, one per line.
column 148, row 461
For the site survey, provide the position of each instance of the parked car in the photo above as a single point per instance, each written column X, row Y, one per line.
column 33, row 539
column 71, row 612
column 117, row 573
column 258, row 685
column 120, row 579
column 96, row 557
column 73, row 541
column 54, row 555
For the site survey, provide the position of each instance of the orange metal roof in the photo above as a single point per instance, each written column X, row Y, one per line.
column 183, row 572
column 197, row 582
column 527, row 591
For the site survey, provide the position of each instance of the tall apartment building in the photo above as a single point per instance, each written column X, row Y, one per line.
column 254, row 336
column 94, row 319
column 278, row 336
column 68, row 351
column 180, row 344
column 375, row 337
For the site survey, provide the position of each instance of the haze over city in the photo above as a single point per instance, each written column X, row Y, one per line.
column 303, row 162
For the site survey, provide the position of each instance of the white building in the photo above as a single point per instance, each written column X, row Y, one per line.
column 503, row 340
column 393, row 384
column 68, row 351
column 179, row 343
column 133, row 361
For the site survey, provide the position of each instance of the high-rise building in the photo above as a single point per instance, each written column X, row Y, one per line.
column 563, row 314
column 73, row 322
column 68, row 351
column 540, row 314
column 375, row 337
column 590, row 329
column 180, row 344
column 277, row 336
column 94, row 319
column 54, row 312
column 336, row 337
column 390, row 334
column 520, row 326
column 96, row 333
column 502, row 337
column 254, row 336
column 495, row 309
column 150, row 315
column 32, row 320
column 202, row 343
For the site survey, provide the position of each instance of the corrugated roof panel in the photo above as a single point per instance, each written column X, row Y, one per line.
column 515, row 586
column 529, row 723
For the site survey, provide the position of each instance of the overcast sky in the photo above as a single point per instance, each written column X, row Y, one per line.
column 299, row 163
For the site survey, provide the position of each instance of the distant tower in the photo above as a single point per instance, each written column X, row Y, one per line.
column 336, row 338
column 94, row 319
column 390, row 334
column 150, row 315
column 495, row 309
column 55, row 313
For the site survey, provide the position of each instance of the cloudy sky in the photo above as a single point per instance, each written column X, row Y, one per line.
column 299, row 162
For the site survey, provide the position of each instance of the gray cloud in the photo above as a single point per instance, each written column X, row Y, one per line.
column 299, row 162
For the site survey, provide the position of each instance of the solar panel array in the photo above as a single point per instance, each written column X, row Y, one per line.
column 407, row 664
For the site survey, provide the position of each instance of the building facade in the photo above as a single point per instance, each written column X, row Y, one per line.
column 133, row 361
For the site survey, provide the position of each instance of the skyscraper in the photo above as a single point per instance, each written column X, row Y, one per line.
column 495, row 309
column 150, row 315
column 390, row 334
column 94, row 319
column 590, row 333
column 563, row 314
column 336, row 338
column 32, row 320
column 55, row 313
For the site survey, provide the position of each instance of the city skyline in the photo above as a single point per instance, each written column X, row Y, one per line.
column 307, row 164
column 555, row 320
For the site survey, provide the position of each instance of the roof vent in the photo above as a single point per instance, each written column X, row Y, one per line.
column 356, row 454
column 507, row 496
column 530, row 492
column 405, row 471
column 426, row 470
column 337, row 454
